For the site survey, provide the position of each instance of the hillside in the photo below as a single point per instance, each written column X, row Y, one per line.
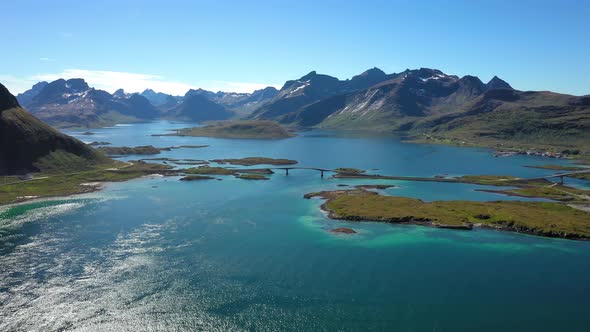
column 27, row 144
column 516, row 119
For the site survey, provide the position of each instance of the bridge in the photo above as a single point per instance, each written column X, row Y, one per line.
column 325, row 170
column 561, row 175
column 321, row 170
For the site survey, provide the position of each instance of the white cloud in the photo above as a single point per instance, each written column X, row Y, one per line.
column 44, row 59
column 135, row 82
column 16, row 85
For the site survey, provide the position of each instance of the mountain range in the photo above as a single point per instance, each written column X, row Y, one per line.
column 73, row 103
column 427, row 103
column 421, row 102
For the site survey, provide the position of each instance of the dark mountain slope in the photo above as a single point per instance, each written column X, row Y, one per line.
column 195, row 106
column 508, row 117
column 25, row 141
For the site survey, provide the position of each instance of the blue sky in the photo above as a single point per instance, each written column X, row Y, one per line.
column 243, row 45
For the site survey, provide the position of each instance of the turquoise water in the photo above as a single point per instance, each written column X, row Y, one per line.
column 161, row 254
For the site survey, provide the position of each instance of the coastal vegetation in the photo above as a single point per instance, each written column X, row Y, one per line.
column 196, row 178
column 252, row 176
column 560, row 167
column 179, row 161
column 97, row 143
column 349, row 170
column 208, row 170
column 52, row 184
column 538, row 218
column 141, row 150
column 375, row 186
column 125, row 150
column 530, row 188
column 554, row 192
column 247, row 129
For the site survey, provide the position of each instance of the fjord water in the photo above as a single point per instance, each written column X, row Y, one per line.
column 161, row 254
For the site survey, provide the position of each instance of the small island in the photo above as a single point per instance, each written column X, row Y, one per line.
column 196, row 178
column 126, row 150
column 208, row 170
column 95, row 143
column 245, row 129
column 252, row 176
column 537, row 218
column 141, row 150
column 343, row 230
column 558, row 167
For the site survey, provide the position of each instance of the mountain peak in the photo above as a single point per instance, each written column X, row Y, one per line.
column 39, row 85
column 372, row 72
column 498, row 83
column 77, row 84
column 7, row 100
column 311, row 74
column 119, row 93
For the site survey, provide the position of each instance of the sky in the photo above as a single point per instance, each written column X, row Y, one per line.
column 172, row 46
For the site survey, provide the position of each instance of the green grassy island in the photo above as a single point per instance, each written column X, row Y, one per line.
column 125, row 150
column 141, row 150
column 252, row 176
column 208, row 170
column 196, row 178
column 537, row 218
column 257, row 129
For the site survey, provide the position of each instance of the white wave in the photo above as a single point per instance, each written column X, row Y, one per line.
column 41, row 213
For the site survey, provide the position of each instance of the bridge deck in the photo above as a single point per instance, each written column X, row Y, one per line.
column 560, row 175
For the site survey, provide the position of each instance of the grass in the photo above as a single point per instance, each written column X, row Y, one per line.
column 553, row 192
column 60, row 161
column 252, row 177
column 125, row 150
column 581, row 176
column 207, row 170
column 196, row 178
column 260, row 129
column 349, row 170
column 559, row 167
column 251, row 161
column 62, row 184
column 494, row 180
column 539, row 218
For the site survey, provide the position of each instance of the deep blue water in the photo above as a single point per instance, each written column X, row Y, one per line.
column 161, row 254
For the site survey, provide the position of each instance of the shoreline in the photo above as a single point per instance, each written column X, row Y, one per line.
column 89, row 189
